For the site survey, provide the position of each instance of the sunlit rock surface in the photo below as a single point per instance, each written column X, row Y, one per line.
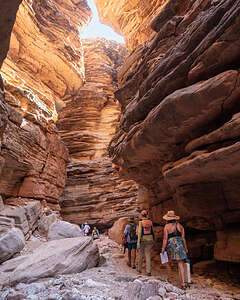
column 44, row 66
column 94, row 191
column 179, row 131
column 45, row 59
column 131, row 19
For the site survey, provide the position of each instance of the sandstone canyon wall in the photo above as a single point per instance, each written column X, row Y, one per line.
column 94, row 192
column 179, row 130
column 44, row 65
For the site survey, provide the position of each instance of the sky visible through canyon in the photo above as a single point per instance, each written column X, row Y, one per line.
column 97, row 29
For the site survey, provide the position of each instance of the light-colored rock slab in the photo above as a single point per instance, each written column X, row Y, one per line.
column 45, row 222
column 11, row 242
column 62, row 230
column 56, row 257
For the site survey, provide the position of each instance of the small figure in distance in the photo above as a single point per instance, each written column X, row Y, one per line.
column 174, row 243
column 131, row 235
column 95, row 233
column 86, row 229
column 145, row 241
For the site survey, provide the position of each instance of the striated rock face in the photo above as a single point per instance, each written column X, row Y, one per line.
column 94, row 190
column 44, row 66
column 131, row 19
column 45, row 59
column 179, row 129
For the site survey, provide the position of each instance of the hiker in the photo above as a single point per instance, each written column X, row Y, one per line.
column 86, row 229
column 95, row 233
column 145, row 241
column 130, row 234
column 174, row 243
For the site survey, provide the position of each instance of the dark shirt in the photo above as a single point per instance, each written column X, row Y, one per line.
column 175, row 233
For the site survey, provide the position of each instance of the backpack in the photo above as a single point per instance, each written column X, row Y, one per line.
column 132, row 232
column 146, row 227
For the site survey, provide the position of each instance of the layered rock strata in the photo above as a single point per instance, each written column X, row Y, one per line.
column 44, row 67
column 94, row 192
column 179, row 129
column 130, row 18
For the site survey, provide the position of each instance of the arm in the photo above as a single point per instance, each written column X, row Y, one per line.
column 139, row 234
column 183, row 236
column 165, row 235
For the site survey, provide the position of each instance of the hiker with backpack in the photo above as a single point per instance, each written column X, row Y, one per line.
column 95, row 233
column 86, row 229
column 130, row 234
column 145, row 241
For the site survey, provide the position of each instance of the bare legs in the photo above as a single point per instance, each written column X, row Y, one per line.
column 168, row 271
column 131, row 257
column 181, row 272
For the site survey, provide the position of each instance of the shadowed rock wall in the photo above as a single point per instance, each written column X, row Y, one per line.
column 179, row 130
column 94, row 191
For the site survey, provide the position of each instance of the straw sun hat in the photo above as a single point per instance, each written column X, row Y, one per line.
column 170, row 215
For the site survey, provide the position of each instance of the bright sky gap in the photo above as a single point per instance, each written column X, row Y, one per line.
column 96, row 29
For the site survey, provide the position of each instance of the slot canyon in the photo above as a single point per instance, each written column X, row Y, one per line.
column 93, row 130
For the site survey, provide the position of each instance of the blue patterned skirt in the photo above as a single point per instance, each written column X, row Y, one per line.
column 176, row 249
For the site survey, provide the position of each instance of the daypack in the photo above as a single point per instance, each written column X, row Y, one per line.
column 132, row 232
column 124, row 239
column 146, row 227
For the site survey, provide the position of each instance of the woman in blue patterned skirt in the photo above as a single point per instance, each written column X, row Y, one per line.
column 174, row 242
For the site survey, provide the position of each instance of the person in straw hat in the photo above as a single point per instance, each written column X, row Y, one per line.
column 174, row 243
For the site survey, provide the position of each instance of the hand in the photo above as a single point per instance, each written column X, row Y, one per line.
column 138, row 246
column 163, row 250
column 186, row 250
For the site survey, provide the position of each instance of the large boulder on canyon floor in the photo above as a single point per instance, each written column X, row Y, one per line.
column 62, row 230
column 66, row 256
column 24, row 214
column 11, row 242
column 45, row 222
column 115, row 233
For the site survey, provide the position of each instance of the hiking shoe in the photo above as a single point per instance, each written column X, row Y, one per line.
column 134, row 267
column 149, row 274
column 129, row 264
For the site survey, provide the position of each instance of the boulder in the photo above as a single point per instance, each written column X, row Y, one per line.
column 62, row 230
column 11, row 242
column 66, row 256
column 115, row 233
column 6, row 223
column 24, row 214
column 45, row 222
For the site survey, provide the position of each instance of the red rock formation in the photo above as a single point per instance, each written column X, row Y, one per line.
column 179, row 129
column 44, row 66
column 94, row 192
column 130, row 18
